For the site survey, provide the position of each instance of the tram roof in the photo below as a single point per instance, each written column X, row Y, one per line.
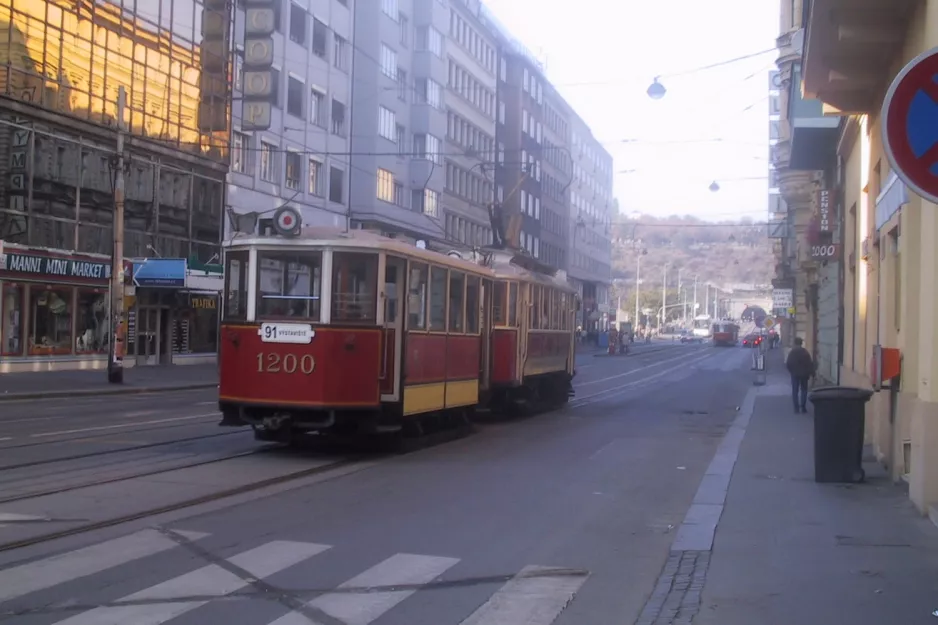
column 316, row 238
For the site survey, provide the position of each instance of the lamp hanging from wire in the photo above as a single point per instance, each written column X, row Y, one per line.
column 656, row 90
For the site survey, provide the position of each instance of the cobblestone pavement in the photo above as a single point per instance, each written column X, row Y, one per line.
column 676, row 598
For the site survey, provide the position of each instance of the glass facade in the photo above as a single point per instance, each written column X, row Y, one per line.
column 171, row 56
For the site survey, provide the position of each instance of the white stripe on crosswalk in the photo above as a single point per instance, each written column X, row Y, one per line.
column 208, row 581
column 362, row 608
column 531, row 598
column 49, row 572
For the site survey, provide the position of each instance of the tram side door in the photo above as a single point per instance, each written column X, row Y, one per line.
column 394, row 292
column 485, row 326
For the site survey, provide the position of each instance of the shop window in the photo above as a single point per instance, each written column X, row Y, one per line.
column 236, row 275
column 12, row 330
column 499, row 304
column 457, row 301
column 197, row 326
column 437, row 299
column 289, row 285
column 354, row 287
column 91, row 326
column 51, row 321
column 417, row 297
column 472, row 305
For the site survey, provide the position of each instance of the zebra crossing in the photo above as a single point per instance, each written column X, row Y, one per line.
column 536, row 595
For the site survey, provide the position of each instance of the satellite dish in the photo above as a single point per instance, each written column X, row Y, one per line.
column 287, row 221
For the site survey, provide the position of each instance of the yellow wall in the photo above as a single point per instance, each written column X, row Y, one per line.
column 62, row 60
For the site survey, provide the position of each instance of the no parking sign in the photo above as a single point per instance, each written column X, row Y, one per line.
column 910, row 125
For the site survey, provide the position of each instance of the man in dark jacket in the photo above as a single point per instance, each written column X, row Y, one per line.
column 800, row 365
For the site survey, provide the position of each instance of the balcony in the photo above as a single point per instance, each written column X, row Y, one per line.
column 849, row 49
column 813, row 134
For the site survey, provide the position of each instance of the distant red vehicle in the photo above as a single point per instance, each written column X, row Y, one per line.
column 726, row 334
column 752, row 340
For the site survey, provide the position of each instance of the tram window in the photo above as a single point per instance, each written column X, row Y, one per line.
column 472, row 305
column 437, row 299
column 289, row 284
column 513, row 304
column 236, row 280
column 457, row 301
column 417, row 297
column 499, row 303
column 535, row 315
column 354, row 287
column 563, row 311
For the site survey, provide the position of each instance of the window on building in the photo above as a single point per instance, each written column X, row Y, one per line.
column 427, row 201
column 385, row 185
column 429, row 39
column 417, row 297
column 320, row 38
column 294, row 170
column 336, row 185
column 295, row 92
column 428, row 147
column 399, row 198
column 317, row 107
column 388, row 61
column 390, row 8
column 354, row 287
column 429, row 92
column 400, row 137
column 338, row 118
column 405, row 29
column 340, row 53
column 269, row 169
column 387, row 123
column 50, row 321
column 197, row 326
column 275, row 86
column 402, row 84
column 297, row 24
column 12, row 326
column 289, row 285
column 240, row 152
column 315, row 177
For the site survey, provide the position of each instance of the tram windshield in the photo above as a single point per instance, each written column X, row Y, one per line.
column 289, row 284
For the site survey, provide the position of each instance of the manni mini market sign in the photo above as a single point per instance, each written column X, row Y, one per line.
column 56, row 267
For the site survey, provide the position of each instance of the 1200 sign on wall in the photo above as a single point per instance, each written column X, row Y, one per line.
column 829, row 251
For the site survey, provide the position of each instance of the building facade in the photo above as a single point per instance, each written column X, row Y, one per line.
column 469, row 145
column 556, row 179
column 65, row 67
column 399, row 117
column 591, row 210
column 888, row 231
column 299, row 154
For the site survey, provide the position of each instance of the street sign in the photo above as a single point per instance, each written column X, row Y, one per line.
column 782, row 298
column 768, row 323
column 910, row 125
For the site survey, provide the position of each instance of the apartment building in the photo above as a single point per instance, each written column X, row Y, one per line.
column 65, row 66
column 557, row 177
column 472, row 59
column 299, row 155
column 520, row 130
column 592, row 207
column 399, row 117
column 887, row 250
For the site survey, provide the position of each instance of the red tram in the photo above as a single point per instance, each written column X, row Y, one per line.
column 353, row 332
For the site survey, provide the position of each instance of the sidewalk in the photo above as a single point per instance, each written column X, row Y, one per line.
column 49, row 384
column 788, row 550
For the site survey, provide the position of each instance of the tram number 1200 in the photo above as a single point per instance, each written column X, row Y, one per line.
column 270, row 362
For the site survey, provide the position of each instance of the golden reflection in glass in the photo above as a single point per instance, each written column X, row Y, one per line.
column 72, row 56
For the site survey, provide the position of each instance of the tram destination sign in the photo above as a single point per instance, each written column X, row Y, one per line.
column 56, row 267
column 300, row 333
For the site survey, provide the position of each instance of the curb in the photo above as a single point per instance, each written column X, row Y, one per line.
column 103, row 391
column 650, row 350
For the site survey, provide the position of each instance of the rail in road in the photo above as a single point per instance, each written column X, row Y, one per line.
column 87, row 496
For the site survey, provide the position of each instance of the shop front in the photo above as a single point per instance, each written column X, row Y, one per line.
column 54, row 310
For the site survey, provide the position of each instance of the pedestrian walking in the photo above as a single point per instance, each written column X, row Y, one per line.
column 800, row 365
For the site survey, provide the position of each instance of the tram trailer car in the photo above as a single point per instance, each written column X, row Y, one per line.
column 313, row 341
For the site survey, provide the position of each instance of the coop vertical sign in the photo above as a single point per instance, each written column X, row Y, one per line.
column 215, row 53
column 260, row 21
column 910, row 125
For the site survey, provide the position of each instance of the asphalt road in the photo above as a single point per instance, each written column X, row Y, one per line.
column 562, row 518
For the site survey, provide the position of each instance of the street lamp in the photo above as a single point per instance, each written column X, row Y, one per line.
column 656, row 90
column 714, row 186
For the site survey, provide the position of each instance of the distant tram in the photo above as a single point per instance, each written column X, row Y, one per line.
column 725, row 333
column 351, row 332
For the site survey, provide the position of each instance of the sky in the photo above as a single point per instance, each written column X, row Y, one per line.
column 603, row 54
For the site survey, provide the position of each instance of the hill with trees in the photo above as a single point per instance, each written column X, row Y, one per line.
column 722, row 253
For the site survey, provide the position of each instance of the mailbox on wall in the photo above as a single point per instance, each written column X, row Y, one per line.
column 885, row 365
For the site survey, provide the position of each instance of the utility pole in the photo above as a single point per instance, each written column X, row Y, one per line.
column 684, row 296
column 664, row 298
column 115, row 364
column 638, row 286
column 694, row 311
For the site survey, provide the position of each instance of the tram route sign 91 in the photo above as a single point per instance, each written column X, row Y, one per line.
column 910, row 125
column 298, row 333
